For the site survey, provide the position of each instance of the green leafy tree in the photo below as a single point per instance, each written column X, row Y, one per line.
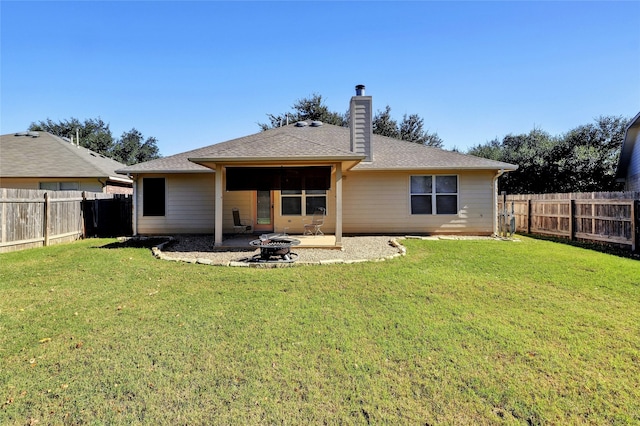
column 582, row 160
column 412, row 129
column 133, row 148
column 492, row 150
column 311, row 108
column 94, row 133
column 384, row 125
column 531, row 152
column 587, row 156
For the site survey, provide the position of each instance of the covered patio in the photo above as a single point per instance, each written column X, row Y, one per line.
column 254, row 176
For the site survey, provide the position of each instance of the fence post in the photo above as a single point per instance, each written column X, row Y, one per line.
column 46, row 219
column 635, row 224
column 593, row 214
column 572, row 213
column 82, row 205
column 528, row 215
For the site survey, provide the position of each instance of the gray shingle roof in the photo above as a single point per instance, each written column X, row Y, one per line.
column 291, row 143
column 43, row 155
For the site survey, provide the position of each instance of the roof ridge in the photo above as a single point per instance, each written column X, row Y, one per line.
column 49, row 155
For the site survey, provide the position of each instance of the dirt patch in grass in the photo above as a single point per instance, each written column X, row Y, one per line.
column 138, row 243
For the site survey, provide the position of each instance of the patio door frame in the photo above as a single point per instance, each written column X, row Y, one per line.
column 258, row 227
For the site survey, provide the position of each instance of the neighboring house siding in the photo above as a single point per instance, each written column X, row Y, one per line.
column 189, row 205
column 633, row 173
column 89, row 185
column 114, row 189
column 379, row 202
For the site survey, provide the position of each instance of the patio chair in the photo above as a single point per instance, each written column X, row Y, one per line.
column 238, row 226
column 317, row 221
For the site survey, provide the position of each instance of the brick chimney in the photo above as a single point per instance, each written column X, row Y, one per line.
column 361, row 124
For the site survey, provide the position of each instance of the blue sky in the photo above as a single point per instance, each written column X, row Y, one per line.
column 197, row 73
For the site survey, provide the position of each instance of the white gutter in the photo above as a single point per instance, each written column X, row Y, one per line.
column 119, row 179
column 495, row 201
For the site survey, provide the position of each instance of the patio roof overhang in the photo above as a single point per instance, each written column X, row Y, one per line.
column 278, row 178
column 347, row 162
column 323, row 172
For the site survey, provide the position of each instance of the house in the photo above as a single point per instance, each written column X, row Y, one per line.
column 368, row 184
column 629, row 163
column 41, row 160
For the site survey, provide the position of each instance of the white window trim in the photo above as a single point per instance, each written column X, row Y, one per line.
column 434, row 194
column 303, row 200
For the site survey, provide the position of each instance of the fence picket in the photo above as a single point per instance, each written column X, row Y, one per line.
column 33, row 218
column 605, row 217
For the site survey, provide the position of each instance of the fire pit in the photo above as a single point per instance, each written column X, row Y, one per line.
column 275, row 248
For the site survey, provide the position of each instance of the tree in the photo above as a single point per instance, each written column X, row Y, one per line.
column 311, row 108
column 530, row 151
column 133, row 148
column 588, row 155
column 492, row 150
column 411, row 129
column 94, row 133
column 582, row 160
column 384, row 125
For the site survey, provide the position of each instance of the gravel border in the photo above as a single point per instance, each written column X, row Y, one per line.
column 199, row 249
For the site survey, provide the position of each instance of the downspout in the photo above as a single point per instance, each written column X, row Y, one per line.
column 494, row 184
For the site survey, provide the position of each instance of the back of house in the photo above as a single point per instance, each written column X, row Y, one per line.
column 368, row 184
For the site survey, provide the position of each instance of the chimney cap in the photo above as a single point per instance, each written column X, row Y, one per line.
column 360, row 90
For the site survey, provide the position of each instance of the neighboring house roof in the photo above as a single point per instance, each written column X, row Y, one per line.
column 628, row 145
column 43, row 155
column 325, row 142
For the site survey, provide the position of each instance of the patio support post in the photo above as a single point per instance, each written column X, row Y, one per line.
column 339, row 204
column 134, row 209
column 218, row 207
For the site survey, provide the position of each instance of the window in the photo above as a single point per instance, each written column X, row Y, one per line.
column 59, row 186
column 434, row 194
column 49, row 186
column 293, row 200
column 68, row 186
column 153, row 197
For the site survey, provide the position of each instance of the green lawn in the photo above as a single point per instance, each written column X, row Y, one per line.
column 456, row 332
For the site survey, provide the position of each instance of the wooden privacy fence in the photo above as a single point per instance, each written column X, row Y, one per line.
column 34, row 218
column 604, row 217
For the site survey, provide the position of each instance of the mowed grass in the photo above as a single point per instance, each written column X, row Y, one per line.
column 456, row 332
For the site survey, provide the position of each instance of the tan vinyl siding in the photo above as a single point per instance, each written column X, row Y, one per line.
column 243, row 201
column 373, row 202
column 295, row 224
column 189, row 205
column 379, row 202
column 89, row 185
